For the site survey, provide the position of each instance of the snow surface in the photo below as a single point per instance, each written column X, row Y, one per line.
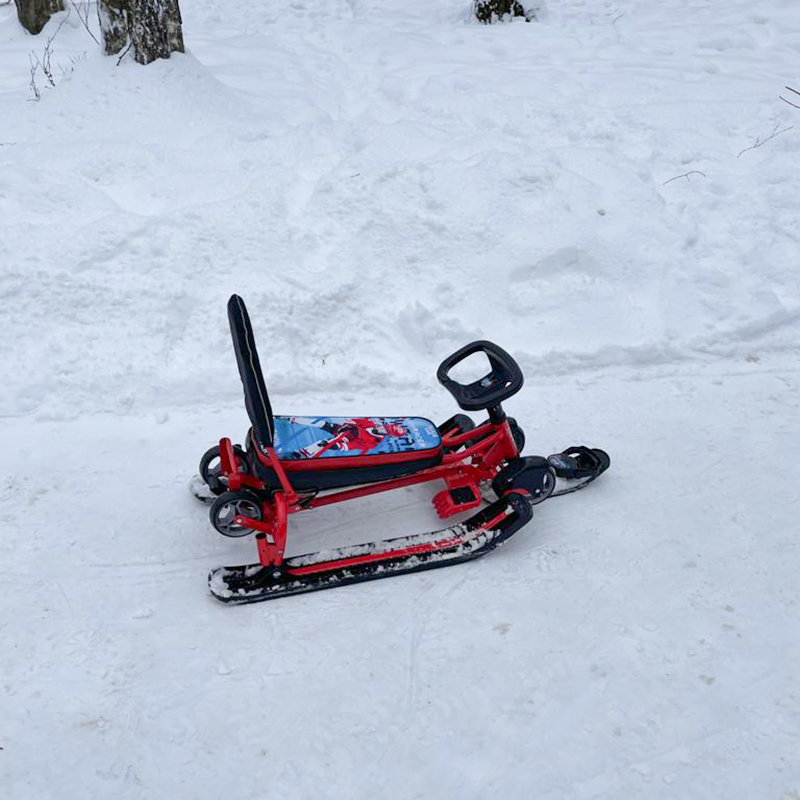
column 383, row 182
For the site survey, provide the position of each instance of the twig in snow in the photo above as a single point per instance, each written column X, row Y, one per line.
column 794, row 105
column 34, row 66
column 124, row 53
column 84, row 18
column 43, row 63
column 759, row 142
column 73, row 60
column 685, row 175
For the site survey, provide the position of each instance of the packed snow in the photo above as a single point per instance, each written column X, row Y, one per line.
column 610, row 193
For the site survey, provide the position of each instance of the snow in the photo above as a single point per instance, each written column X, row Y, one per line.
column 382, row 183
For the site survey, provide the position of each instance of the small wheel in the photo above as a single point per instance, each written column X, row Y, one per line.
column 230, row 505
column 210, row 468
column 460, row 423
column 531, row 474
column 518, row 434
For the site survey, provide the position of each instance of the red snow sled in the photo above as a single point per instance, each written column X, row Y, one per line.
column 292, row 464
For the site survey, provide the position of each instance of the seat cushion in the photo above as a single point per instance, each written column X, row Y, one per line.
column 313, row 438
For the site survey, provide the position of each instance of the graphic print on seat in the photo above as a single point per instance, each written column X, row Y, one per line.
column 323, row 437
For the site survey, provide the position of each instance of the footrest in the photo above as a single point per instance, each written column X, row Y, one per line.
column 456, row 498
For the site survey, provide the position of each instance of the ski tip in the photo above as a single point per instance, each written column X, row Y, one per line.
column 235, row 584
column 217, row 585
column 604, row 458
column 200, row 491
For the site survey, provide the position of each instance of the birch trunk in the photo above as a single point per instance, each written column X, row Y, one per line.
column 487, row 11
column 113, row 16
column 151, row 28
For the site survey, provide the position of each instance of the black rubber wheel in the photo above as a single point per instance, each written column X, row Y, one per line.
column 518, row 434
column 210, row 467
column 531, row 474
column 460, row 422
column 230, row 505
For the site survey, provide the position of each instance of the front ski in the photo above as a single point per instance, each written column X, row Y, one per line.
column 471, row 539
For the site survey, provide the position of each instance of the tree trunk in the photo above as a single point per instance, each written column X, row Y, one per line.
column 487, row 11
column 113, row 16
column 34, row 14
column 151, row 28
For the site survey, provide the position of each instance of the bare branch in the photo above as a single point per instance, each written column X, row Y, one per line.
column 124, row 53
column 760, row 142
column 84, row 18
column 44, row 63
column 34, row 67
column 685, row 175
column 60, row 26
column 794, row 91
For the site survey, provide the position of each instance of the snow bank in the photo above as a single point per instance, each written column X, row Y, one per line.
column 375, row 181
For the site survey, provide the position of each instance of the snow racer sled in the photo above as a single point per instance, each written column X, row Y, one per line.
column 291, row 464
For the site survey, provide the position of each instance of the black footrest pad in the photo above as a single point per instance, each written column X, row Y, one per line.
column 463, row 494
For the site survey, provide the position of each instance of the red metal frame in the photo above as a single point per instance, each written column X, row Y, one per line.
column 487, row 447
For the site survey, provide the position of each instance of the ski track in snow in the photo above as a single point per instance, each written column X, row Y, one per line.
column 383, row 184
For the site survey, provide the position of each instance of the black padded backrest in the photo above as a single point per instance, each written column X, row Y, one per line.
column 256, row 399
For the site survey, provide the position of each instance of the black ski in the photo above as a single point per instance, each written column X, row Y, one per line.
column 475, row 537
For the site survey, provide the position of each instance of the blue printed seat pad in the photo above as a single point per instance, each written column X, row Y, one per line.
column 330, row 437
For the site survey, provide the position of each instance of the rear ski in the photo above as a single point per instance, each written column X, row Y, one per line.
column 475, row 537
